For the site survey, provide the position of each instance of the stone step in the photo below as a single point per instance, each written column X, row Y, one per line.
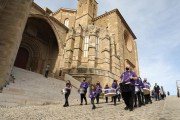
column 8, row 104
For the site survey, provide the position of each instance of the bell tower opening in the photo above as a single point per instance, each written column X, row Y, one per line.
column 86, row 11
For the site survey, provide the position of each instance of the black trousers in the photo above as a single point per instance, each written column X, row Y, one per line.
column 92, row 102
column 46, row 74
column 137, row 95
column 106, row 99
column 142, row 98
column 128, row 98
column 66, row 98
column 83, row 96
column 147, row 98
column 119, row 97
column 162, row 96
column 114, row 99
column 97, row 98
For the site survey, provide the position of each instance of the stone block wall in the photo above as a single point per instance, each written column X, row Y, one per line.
column 12, row 23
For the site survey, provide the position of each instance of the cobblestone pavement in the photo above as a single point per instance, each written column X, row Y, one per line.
column 171, row 110
column 104, row 111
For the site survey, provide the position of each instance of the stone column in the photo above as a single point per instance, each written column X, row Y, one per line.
column 69, row 48
column 39, row 65
column 77, row 47
column 12, row 24
column 106, row 50
column 92, row 47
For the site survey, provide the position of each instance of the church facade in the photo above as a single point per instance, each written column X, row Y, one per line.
column 77, row 42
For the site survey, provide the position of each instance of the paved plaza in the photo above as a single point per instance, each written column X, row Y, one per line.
column 167, row 109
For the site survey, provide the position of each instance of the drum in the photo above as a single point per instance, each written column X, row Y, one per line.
column 82, row 91
column 125, row 87
column 63, row 91
column 102, row 94
column 146, row 91
column 118, row 92
column 110, row 92
column 136, row 89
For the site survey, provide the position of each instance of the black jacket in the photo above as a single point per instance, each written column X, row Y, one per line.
column 157, row 88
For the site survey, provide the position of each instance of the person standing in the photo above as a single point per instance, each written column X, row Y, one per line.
column 107, row 87
column 93, row 95
column 115, row 86
column 68, row 88
column 84, row 85
column 168, row 93
column 47, row 71
column 128, row 77
column 162, row 92
column 99, row 91
column 156, row 91
column 137, row 95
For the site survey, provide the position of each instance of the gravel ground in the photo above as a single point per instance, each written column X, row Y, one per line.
column 104, row 111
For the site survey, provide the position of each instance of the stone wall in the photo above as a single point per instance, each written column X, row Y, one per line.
column 12, row 23
column 2, row 5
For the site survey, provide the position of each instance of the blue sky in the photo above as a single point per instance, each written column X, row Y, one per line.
column 156, row 24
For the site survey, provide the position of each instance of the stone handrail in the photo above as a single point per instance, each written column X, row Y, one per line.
column 74, row 82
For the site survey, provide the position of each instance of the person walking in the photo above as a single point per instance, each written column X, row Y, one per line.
column 156, row 91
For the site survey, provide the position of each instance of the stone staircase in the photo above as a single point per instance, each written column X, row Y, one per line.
column 30, row 88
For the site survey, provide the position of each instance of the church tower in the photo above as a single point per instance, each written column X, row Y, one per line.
column 86, row 11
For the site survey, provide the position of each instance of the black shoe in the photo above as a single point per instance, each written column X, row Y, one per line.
column 142, row 104
column 126, row 108
column 139, row 105
column 106, row 102
column 131, row 109
column 81, row 104
column 94, row 107
column 111, row 101
column 151, row 102
column 86, row 103
column 64, row 105
column 135, row 106
column 68, row 105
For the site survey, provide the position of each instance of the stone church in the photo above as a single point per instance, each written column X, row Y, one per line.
column 74, row 42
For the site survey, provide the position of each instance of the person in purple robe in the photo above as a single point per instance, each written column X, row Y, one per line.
column 107, row 87
column 147, row 97
column 93, row 95
column 128, row 77
column 84, row 85
column 68, row 88
column 115, row 86
column 99, row 91
column 141, row 91
column 137, row 95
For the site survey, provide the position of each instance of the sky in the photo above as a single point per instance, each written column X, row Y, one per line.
column 156, row 24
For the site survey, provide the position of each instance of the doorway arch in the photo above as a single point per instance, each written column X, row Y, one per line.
column 22, row 58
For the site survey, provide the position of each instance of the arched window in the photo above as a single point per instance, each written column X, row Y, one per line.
column 97, row 47
column 66, row 22
column 86, row 42
column 127, row 41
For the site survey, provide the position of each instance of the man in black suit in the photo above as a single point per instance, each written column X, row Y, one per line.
column 156, row 91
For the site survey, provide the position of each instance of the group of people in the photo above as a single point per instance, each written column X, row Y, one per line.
column 130, row 97
column 159, row 92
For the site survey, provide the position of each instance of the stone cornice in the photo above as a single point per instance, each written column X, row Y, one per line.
column 120, row 16
column 65, row 10
column 38, row 7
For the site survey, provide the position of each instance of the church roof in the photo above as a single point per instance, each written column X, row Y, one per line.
column 120, row 16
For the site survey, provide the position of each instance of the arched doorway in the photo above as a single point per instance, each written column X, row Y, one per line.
column 21, row 58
